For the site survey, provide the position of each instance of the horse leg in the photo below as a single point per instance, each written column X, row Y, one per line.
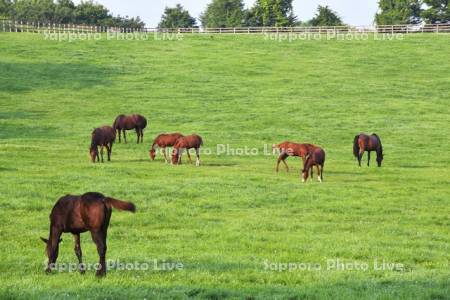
column 124, row 136
column 142, row 135
column 319, row 173
column 197, row 153
column 360, row 156
column 99, row 238
column 189, row 156
column 118, row 130
column 165, row 155
column 137, row 134
column 180, row 152
column 98, row 155
column 368, row 158
column 76, row 239
column 282, row 158
column 108, row 152
column 101, row 151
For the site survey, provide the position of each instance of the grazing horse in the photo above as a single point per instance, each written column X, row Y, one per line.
column 363, row 142
column 103, row 137
column 162, row 141
column 137, row 122
column 315, row 157
column 291, row 149
column 187, row 142
column 78, row 214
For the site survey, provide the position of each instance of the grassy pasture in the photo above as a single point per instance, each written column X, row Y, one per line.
column 228, row 219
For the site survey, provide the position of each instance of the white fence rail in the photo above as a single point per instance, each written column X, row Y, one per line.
column 15, row 26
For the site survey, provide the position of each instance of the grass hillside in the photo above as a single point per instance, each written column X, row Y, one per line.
column 231, row 218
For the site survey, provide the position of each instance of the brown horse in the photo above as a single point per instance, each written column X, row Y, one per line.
column 103, row 137
column 162, row 141
column 187, row 142
column 291, row 149
column 78, row 214
column 315, row 157
column 363, row 142
column 137, row 122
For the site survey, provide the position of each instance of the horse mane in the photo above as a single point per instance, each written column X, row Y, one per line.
column 379, row 141
column 356, row 146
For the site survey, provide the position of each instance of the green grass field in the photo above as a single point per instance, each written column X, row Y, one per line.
column 228, row 219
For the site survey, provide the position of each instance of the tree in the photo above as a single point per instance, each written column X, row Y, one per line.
column 64, row 12
column 272, row 13
column 176, row 17
column 223, row 13
column 5, row 7
column 437, row 11
column 393, row 12
column 326, row 17
column 90, row 13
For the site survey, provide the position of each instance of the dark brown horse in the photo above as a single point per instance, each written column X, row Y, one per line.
column 291, row 149
column 364, row 142
column 187, row 142
column 162, row 141
column 103, row 137
column 315, row 157
column 78, row 214
column 137, row 122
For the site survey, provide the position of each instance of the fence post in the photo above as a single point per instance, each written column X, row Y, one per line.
column 3, row 25
column 392, row 29
column 437, row 28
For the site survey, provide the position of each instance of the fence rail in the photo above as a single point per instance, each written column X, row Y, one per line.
column 16, row 26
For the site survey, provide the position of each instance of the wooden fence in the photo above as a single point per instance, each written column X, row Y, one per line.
column 13, row 26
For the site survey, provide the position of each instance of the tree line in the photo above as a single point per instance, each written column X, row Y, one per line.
column 65, row 12
column 220, row 14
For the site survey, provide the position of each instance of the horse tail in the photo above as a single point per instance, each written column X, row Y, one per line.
column 356, row 146
column 379, row 142
column 119, row 204
column 144, row 122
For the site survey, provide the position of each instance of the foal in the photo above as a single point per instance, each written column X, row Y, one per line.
column 103, row 137
column 187, row 142
column 291, row 149
column 162, row 141
column 316, row 157
column 137, row 122
column 363, row 142
column 77, row 214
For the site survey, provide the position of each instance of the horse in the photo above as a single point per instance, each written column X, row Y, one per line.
column 187, row 142
column 363, row 142
column 162, row 141
column 137, row 122
column 103, row 137
column 77, row 214
column 315, row 157
column 291, row 149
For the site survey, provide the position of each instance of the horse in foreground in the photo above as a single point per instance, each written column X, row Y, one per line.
column 103, row 137
column 187, row 142
column 162, row 141
column 78, row 214
column 316, row 157
column 137, row 122
column 363, row 142
column 291, row 149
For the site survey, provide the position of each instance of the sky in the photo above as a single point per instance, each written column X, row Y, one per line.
column 352, row 12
